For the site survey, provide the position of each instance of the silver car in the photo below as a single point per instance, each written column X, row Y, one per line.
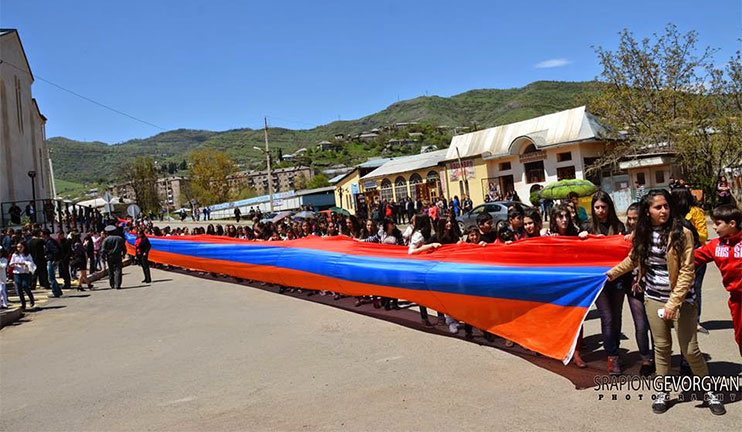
column 498, row 210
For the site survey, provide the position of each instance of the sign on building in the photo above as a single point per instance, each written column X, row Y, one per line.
column 455, row 170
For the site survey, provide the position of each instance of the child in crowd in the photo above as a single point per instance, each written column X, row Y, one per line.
column 635, row 297
column 532, row 223
column 3, row 278
column 726, row 252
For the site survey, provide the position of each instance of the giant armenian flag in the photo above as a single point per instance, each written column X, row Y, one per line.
column 535, row 292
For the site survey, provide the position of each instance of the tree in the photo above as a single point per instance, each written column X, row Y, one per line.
column 183, row 165
column 665, row 95
column 300, row 182
column 171, row 168
column 209, row 171
column 318, row 181
column 142, row 175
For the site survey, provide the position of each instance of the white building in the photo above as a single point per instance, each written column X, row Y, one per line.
column 24, row 160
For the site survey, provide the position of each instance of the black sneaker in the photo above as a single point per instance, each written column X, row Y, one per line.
column 661, row 399
column 647, row 369
column 715, row 405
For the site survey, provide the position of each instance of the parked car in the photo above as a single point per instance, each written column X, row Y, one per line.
column 498, row 210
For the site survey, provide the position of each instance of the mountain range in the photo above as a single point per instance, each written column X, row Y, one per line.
column 78, row 163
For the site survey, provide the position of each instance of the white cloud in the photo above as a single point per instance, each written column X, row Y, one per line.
column 552, row 63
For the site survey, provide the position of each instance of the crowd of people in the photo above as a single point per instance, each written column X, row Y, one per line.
column 34, row 256
column 661, row 278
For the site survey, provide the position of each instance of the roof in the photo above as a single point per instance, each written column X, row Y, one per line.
column 561, row 127
column 314, row 191
column 7, row 32
column 408, row 163
column 374, row 163
column 337, row 178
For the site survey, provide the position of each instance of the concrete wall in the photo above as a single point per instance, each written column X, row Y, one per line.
column 343, row 192
column 22, row 129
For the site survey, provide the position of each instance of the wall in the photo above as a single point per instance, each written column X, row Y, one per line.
column 343, row 190
column 22, row 147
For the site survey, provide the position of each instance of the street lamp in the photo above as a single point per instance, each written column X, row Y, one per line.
column 32, row 174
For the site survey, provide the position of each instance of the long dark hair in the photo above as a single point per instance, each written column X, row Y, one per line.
column 422, row 224
column 672, row 230
column 613, row 220
column 554, row 228
column 683, row 200
column 444, row 236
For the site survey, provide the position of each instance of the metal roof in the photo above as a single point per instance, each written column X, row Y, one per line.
column 561, row 127
column 408, row 163
column 314, row 191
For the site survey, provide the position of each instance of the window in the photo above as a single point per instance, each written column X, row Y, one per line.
column 415, row 179
column 564, row 173
column 563, row 157
column 478, row 209
column 659, row 176
column 493, row 208
column 640, row 178
column 535, row 172
column 400, row 188
column 386, row 190
column 505, row 166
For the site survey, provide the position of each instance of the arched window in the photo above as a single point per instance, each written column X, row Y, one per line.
column 400, row 188
column 530, row 149
column 433, row 176
column 386, row 190
column 415, row 179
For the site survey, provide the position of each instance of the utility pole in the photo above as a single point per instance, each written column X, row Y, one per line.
column 268, row 162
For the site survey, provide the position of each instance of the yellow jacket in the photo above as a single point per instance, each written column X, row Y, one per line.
column 697, row 217
column 680, row 267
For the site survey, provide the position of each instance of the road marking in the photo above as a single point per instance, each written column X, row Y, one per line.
column 179, row 401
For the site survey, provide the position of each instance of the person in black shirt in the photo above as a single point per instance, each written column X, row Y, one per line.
column 15, row 214
column 486, row 233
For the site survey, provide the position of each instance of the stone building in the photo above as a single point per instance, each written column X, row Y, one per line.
column 25, row 168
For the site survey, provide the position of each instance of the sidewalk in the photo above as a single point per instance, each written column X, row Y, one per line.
column 41, row 297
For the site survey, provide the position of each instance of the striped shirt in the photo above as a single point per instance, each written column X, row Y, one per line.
column 657, row 278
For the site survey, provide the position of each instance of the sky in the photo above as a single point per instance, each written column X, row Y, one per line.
column 220, row 65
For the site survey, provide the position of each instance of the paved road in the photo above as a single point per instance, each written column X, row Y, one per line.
column 193, row 354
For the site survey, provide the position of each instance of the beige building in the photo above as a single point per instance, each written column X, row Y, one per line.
column 24, row 160
column 518, row 156
column 283, row 179
column 172, row 190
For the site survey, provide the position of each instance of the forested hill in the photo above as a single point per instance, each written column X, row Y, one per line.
column 77, row 162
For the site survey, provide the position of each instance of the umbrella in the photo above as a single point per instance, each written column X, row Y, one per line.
column 280, row 216
column 305, row 215
column 339, row 210
column 562, row 188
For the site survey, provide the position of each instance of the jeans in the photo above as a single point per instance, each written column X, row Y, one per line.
column 64, row 272
column 23, row 285
column 685, row 326
column 700, row 273
column 3, row 294
column 610, row 305
column 114, row 271
column 51, row 271
column 641, row 324
column 144, row 262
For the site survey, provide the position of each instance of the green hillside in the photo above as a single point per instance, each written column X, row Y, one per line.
column 95, row 162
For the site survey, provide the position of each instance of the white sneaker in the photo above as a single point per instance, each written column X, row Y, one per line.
column 453, row 327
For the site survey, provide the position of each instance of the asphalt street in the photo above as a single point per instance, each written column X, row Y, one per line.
column 193, row 354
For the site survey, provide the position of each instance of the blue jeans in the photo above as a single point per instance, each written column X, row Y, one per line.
column 23, row 285
column 610, row 305
column 51, row 270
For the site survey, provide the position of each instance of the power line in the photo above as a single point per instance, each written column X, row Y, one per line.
column 86, row 98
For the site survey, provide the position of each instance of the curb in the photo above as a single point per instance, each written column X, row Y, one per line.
column 9, row 316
